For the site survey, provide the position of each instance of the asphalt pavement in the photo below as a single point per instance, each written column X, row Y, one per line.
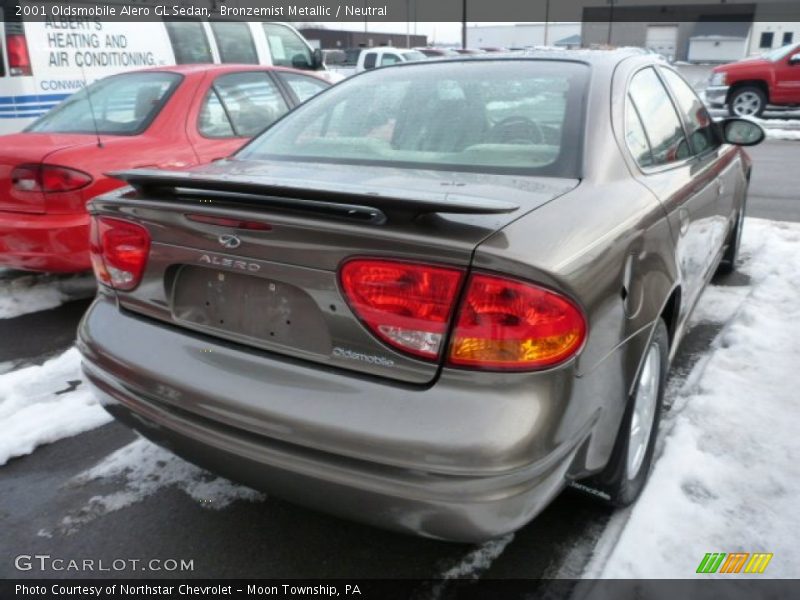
column 271, row 538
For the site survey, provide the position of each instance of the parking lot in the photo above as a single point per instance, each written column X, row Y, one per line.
column 105, row 494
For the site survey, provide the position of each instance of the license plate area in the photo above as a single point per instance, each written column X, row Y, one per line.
column 249, row 308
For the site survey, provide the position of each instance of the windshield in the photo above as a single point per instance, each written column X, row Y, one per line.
column 521, row 116
column 118, row 105
column 780, row 53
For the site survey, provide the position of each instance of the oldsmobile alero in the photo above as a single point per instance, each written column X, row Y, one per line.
column 432, row 296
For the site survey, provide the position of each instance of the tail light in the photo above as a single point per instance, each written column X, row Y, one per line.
column 19, row 60
column 118, row 251
column 501, row 324
column 408, row 306
column 508, row 324
column 48, row 178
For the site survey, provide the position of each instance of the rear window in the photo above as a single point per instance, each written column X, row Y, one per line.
column 118, row 105
column 488, row 116
column 189, row 42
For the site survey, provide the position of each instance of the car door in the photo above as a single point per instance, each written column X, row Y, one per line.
column 787, row 78
column 234, row 108
column 657, row 139
column 715, row 160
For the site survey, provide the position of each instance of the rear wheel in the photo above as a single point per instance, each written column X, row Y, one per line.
column 629, row 467
column 747, row 101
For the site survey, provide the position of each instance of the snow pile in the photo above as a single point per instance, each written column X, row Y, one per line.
column 144, row 469
column 27, row 294
column 22, row 293
column 729, row 476
column 44, row 403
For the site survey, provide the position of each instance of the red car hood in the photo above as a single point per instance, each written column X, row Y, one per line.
column 27, row 148
column 756, row 62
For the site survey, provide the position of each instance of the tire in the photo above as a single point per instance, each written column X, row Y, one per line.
column 747, row 101
column 628, row 468
column 728, row 263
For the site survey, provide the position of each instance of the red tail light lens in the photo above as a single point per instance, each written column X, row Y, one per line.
column 406, row 305
column 19, row 61
column 48, row 178
column 119, row 252
column 508, row 324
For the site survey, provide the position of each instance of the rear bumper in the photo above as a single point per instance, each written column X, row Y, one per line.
column 43, row 242
column 449, row 500
column 716, row 95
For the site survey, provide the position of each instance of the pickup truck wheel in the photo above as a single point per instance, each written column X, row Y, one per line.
column 747, row 101
column 629, row 467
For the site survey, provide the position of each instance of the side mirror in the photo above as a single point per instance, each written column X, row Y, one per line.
column 794, row 59
column 317, row 59
column 742, row 132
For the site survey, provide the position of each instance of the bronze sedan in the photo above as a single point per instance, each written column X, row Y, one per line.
column 432, row 296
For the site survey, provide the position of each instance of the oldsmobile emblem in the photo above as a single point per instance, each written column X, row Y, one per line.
column 229, row 240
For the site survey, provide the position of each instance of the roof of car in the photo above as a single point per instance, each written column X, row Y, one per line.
column 609, row 56
column 201, row 68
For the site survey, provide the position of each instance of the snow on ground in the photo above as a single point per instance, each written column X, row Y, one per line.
column 28, row 294
column 783, row 134
column 728, row 478
column 40, row 404
column 143, row 469
column 22, row 293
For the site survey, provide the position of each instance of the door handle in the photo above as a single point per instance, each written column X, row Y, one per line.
column 720, row 187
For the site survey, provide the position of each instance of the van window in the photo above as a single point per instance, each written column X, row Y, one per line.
column 252, row 101
column 234, row 41
column 120, row 105
column 287, row 48
column 189, row 42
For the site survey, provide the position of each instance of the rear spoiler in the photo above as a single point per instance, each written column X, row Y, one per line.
column 353, row 201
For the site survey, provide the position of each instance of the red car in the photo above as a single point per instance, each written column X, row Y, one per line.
column 171, row 118
column 748, row 86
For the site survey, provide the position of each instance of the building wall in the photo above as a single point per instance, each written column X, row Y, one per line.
column 519, row 36
column 778, row 29
column 711, row 50
column 328, row 39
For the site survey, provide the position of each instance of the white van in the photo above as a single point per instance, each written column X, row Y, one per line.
column 41, row 63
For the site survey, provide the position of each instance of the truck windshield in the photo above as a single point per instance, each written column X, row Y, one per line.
column 118, row 105
column 780, row 53
column 497, row 116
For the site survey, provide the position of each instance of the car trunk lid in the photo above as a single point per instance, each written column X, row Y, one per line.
column 250, row 252
column 30, row 149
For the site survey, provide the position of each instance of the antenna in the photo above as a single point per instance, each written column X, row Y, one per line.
column 91, row 108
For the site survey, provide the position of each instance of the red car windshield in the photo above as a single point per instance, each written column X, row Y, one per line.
column 119, row 105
